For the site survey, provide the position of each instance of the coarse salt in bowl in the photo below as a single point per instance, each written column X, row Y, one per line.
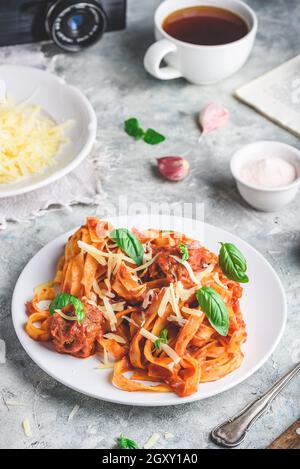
column 267, row 198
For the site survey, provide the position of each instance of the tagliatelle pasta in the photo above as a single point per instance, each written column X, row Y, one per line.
column 142, row 320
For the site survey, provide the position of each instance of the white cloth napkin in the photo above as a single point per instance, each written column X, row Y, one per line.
column 82, row 186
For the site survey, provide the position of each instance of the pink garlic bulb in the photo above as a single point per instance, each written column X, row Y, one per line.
column 212, row 117
column 174, row 168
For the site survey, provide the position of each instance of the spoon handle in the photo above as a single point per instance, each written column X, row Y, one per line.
column 232, row 432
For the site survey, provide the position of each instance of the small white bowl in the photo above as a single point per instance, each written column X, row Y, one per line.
column 267, row 200
column 63, row 103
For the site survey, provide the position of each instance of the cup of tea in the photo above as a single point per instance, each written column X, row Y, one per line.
column 204, row 41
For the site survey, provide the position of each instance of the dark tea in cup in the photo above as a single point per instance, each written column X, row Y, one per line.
column 205, row 25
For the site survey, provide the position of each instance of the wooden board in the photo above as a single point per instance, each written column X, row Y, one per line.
column 290, row 439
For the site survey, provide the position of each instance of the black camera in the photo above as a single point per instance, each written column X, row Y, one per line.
column 71, row 24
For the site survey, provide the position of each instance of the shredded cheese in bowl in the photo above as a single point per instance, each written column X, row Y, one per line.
column 29, row 140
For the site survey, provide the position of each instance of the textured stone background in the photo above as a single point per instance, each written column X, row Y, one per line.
column 112, row 75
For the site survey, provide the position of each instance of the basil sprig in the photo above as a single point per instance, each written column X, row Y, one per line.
column 184, row 252
column 129, row 244
column 163, row 338
column 126, row 443
column 150, row 136
column 215, row 309
column 233, row 263
column 65, row 299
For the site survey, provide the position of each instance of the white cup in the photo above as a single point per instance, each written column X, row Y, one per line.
column 199, row 64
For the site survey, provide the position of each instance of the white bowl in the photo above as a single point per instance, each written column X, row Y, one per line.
column 63, row 103
column 267, row 200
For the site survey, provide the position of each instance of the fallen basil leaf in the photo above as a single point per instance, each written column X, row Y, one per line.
column 152, row 137
column 129, row 244
column 132, row 128
column 65, row 299
column 214, row 308
column 126, row 443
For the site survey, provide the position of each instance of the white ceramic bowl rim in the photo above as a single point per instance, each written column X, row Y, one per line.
column 235, row 172
column 252, row 27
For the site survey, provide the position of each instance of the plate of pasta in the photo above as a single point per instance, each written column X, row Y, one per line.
column 149, row 314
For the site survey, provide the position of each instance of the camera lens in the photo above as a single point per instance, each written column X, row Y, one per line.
column 75, row 25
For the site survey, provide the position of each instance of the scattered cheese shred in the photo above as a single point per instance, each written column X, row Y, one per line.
column 115, row 337
column 27, row 428
column 146, row 265
column 174, row 301
column 192, row 311
column 165, row 347
column 94, row 252
column 206, row 272
column 73, row 412
column 130, row 320
column 181, row 321
column 169, row 436
column 218, row 281
column 63, row 315
column 164, row 301
column 15, row 403
column 109, row 314
column 188, row 268
column 152, row 441
column 148, row 298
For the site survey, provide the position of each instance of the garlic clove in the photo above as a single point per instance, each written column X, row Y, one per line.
column 212, row 117
column 173, row 168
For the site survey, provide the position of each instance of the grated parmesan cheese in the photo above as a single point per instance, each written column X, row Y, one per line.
column 152, row 441
column 109, row 314
column 181, row 321
column 148, row 298
column 192, row 311
column 73, row 412
column 30, row 139
column 15, row 403
column 164, row 302
column 206, row 272
column 174, row 301
column 188, row 268
column 218, row 281
column 27, row 428
column 115, row 337
column 165, row 347
column 146, row 265
column 130, row 320
column 65, row 316
column 94, row 252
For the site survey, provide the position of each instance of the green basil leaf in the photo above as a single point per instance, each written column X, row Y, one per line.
column 163, row 338
column 129, row 244
column 152, row 137
column 126, row 443
column 215, row 309
column 64, row 299
column 233, row 263
column 132, row 128
column 184, row 252
column 157, row 344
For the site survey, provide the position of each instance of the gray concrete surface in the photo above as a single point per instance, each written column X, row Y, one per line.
column 113, row 76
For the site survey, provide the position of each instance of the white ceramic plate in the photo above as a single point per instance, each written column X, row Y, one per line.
column 263, row 306
column 62, row 102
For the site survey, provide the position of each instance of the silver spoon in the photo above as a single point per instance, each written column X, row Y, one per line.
column 232, row 432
